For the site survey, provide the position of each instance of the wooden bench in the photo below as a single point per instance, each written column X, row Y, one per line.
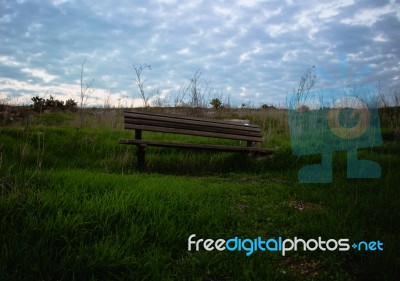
column 176, row 124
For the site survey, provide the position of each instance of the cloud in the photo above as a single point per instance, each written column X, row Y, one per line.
column 39, row 73
column 260, row 46
column 369, row 16
column 9, row 61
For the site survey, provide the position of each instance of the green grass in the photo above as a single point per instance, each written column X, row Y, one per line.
column 73, row 207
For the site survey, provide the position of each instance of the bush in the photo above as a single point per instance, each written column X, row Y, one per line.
column 40, row 104
column 216, row 103
column 70, row 104
column 267, row 106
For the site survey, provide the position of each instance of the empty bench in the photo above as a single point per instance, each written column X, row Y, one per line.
column 177, row 124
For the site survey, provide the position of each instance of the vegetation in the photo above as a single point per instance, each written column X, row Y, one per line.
column 73, row 207
column 216, row 103
column 41, row 104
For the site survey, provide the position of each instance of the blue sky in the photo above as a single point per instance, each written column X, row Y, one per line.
column 250, row 51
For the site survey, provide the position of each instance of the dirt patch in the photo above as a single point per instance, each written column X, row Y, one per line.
column 309, row 269
column 241, row 206
column 305, row 206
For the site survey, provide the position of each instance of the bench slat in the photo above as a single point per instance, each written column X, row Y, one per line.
column 192, row 132
column 223, row 148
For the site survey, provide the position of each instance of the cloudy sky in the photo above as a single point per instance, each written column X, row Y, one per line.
column 252, row 51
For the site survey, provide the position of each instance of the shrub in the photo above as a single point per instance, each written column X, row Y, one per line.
column 267, row 106
column 40, row 104
column 70, row 104
column 216, row 103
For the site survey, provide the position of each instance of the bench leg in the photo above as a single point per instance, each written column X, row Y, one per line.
column 141, row 164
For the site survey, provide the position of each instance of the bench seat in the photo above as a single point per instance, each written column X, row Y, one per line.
column 214, row 147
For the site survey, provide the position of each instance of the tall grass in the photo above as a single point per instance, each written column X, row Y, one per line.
column 73, row 207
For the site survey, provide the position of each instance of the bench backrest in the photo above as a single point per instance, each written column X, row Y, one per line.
column 176, row 124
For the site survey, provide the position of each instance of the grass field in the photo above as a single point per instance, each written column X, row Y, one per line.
column 73, row 207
